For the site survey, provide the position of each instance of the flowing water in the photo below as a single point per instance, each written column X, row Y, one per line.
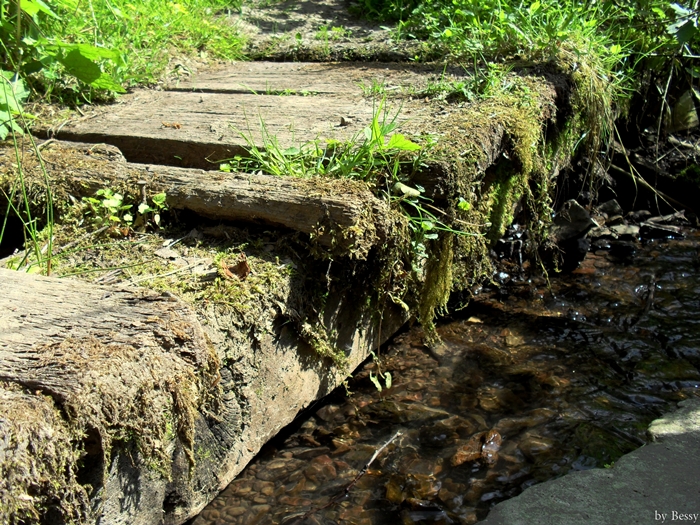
column 530, row 383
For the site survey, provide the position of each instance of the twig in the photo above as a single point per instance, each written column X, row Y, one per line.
column 166, row 274
column 335, row 499
column 71, row 244
column 638, row 178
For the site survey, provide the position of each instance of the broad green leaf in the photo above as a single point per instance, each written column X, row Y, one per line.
column 463, row 204
column 659, row 12
column 29, row 7
column 159, row 199
column 291, row 151
column 113, row 201
column 534, row 7
column 144, row 208
column 680, row 10
column 44, row 8
column 686, row 32
column 91, row 52
column 427, row 225
column 400, row 142
column 88, row 71
column 12, row 93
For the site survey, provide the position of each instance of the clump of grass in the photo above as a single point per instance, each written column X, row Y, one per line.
column 82, row 50
column 151, row 33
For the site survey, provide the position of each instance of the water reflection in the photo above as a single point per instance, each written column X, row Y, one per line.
column 527, row 386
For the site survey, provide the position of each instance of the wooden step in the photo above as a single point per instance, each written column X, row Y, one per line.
column 215, row 116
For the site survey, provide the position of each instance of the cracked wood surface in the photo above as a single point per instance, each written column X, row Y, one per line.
column 340, row 214
column 200, row 122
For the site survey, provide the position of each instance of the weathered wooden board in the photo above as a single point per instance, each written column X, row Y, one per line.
column 199, row 123
column 199, row 130
column 340, row 78
column 116, row 362
column 341, row 214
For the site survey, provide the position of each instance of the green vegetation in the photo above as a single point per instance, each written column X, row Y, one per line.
column 79, row 51
column 66, row 47
column 614, row 51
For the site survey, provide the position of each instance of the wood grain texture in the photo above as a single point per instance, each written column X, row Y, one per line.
column 129, row 371
column 199, row 130
column 339, row 78
column 216, row 115
column 340, row 214
column 37, row 313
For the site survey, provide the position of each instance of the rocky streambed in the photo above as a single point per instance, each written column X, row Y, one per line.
column 531, row 382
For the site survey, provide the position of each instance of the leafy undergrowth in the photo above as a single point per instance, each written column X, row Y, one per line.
column 79, row 52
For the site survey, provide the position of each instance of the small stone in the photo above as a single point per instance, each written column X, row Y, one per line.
column 340, row 447
column 310, row 453
column 533, row 445
column 571, row 221
column 328, row 412
column 422, row 487
column 610, row 208
column 268, row 490
column 650, row 230
column 211, row 514
column 492, row 444
column 469, row 451
column 275, row 464
column 233, row 512
column 625, row 231
column 639, row 216
column 514, row 340
column 295, row 502
column 451, row 499
column 615, row 220
column 495, row 399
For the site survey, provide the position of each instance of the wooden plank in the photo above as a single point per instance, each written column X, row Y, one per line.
column 197, row 123
column 340, row 214
column 341, row 78
column 197, row 130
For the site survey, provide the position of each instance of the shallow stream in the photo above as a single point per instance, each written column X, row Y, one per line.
column 530, row 383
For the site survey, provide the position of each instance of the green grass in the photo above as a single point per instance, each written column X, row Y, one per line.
column 150, row 33
column 133, row 42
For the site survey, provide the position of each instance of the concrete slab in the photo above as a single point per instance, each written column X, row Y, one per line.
column 657, row 483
